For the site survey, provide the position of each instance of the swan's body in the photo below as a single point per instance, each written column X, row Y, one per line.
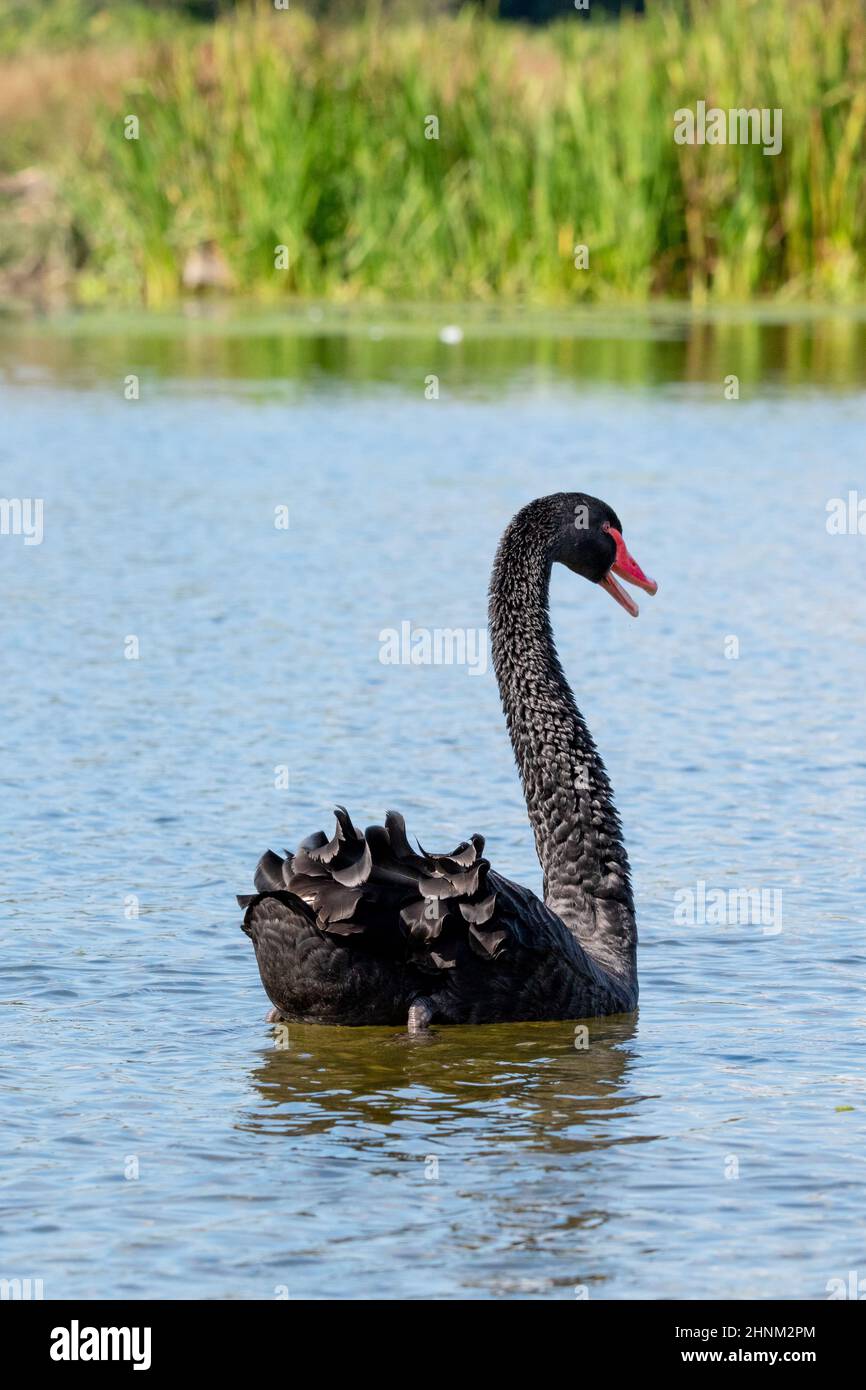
column 362, row 929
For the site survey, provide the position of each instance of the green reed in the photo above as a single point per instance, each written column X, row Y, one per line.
column 275, row 131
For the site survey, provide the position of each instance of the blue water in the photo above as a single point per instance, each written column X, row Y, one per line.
column 155, row 1141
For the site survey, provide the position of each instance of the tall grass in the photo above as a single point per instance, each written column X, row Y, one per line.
column 275, row 131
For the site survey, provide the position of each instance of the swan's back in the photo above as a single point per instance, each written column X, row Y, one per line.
column 358, row 928
column 375, row 892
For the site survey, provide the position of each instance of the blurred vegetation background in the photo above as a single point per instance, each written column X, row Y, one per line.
column 284, row 152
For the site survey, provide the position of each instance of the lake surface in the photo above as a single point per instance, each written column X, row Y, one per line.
column 156, row 1142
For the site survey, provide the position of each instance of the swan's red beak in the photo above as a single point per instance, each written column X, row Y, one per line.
column 627, row 568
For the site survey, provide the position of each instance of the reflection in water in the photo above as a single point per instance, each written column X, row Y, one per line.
column 531, row 1079
column 506, row 1121
column 322, row 348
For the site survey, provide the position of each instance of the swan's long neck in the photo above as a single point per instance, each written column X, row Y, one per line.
column 568, row 796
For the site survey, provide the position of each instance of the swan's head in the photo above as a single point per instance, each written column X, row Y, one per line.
column 592, row 545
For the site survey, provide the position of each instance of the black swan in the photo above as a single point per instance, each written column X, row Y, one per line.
column 363, row 929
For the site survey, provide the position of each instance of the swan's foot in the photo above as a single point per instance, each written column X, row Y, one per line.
column 420, row 1015
column 274, row 1016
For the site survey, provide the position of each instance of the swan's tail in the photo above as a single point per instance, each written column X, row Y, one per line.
column 374, row 888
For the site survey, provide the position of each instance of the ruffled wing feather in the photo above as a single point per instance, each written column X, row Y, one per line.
column 375, row 891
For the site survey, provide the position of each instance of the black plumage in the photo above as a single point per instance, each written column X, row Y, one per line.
column 361, row 927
